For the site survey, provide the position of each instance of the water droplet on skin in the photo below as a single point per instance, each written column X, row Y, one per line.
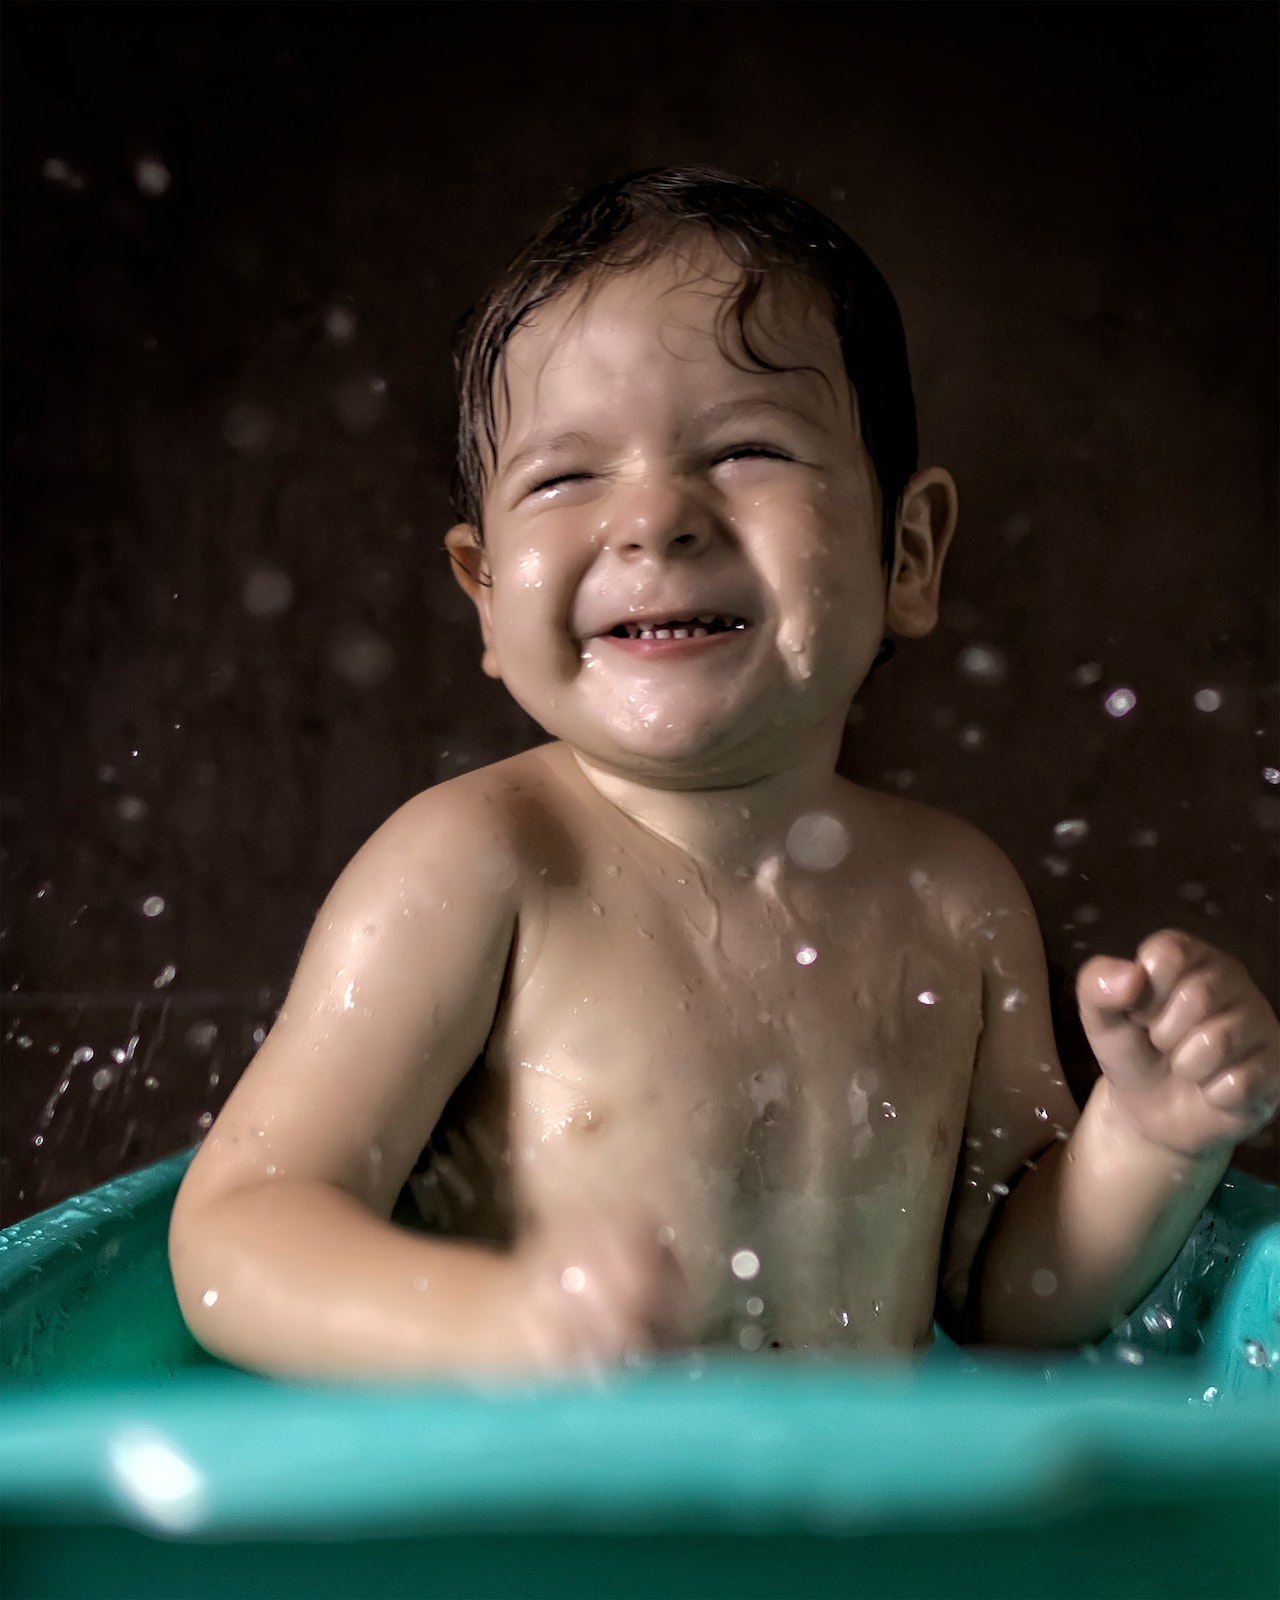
column 926, row 997
column 259, row 1034
column 205, row 1119
column 1044, row 1282
column 817, row 841
column 1255, row 1353
column 806, row 955
column 1207, row 699
column 1000, row 1190
column 1120, row 702
column 888, row 1109
column 1042, row 1112
column 1013, row 1001
column 1071, row 830
column 744, row 1264
column 876, row 1307
column 209, row 1297
column 997, row 1133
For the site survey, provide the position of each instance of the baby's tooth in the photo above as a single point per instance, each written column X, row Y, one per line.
column 679, row 633
column 699, row 633
column 662, row 633
column 645, row 633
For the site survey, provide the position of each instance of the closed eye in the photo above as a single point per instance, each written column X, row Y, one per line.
column 559, row 481
column 748, row 452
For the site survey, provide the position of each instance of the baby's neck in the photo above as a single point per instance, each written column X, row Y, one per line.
column 741, row 829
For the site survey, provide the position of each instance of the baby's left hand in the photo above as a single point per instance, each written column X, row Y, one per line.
column 1189, row 1047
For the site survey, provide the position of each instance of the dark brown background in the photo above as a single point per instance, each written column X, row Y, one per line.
column 1076, row 206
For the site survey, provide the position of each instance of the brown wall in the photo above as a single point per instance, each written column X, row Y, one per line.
column 1076, row 206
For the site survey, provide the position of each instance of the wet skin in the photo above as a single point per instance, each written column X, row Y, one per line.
column 723, row 1001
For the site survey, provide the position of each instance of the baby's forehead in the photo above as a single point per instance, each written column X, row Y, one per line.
column 696, row 305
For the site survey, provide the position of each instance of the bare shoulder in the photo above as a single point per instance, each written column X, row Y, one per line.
column 479, row 832
column 969, row 873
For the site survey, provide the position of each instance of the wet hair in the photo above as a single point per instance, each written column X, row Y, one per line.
column 765, row 233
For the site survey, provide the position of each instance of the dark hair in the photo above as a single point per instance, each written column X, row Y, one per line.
column 627, row 223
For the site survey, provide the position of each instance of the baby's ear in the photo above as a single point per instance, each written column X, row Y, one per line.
column 926, row 521
column 471, row 569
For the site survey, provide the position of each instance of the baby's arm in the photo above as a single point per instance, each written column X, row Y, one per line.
column 281, row 1250
column 1190, row 1065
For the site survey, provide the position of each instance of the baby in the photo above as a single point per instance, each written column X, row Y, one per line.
column 705, row 1044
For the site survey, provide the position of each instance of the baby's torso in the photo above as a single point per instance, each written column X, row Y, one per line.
column 771, row 1070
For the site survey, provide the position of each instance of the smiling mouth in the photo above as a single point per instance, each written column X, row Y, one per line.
column 701, row 627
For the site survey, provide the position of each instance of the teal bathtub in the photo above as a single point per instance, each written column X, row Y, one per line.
column 132, row 1464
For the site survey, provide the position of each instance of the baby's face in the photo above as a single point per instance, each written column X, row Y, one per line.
column 683, row 553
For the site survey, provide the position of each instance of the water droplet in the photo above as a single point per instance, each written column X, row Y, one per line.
column 165, row 976
column 1055, row 866
column 926, row 997
column 152, row 177
column 1013, row 1001
column 806, row 955
column 876, row 1307
column 418, row 1284
column 755, row 1306
column 339, row 324
column 81, row 1054
column 1210, row 1395
column 983, row 662
column 205, row 1119
column 362, row 657
column 1271, row 774
column 1255, row 1353
column 103, row 1078
column 248, row 428
column 888, row 1109
column 1044, row 1282
column 130, row 808
column 153, row 905
column 1000, row 1190
column 817, row 841
column 1120, row 702
column 1157, row 1320
column 744, row 1264
column 750, row 1337
column 209, row 1297
column 1042, row 1112
column 259, row 1034
column 1129, row 1354
column 573, row 1280
column 1207, row 699
column 1087, row 674
column 267, row 592
column 1071, row 830
column 56, row 170
column 972, row 737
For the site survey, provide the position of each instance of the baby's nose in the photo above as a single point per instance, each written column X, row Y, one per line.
column 662, row 521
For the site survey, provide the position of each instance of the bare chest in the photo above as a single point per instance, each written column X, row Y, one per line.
column 776, row 1081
